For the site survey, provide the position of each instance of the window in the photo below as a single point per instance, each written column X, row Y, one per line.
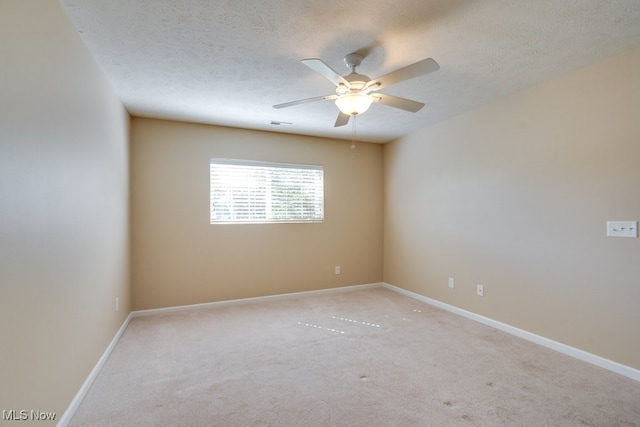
column 244, row 191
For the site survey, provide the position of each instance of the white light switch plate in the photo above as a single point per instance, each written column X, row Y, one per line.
column 622, row 228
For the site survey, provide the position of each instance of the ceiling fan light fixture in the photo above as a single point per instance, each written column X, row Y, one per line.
column 354, row 103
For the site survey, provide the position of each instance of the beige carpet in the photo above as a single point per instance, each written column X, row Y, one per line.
column 363, row 358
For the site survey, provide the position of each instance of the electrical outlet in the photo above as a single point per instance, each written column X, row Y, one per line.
column 452, row 283
column 480, row 290
column 337, row 269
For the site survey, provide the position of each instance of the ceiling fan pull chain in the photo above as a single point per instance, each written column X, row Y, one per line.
column 353, row 135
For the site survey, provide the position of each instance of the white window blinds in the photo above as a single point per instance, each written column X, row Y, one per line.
column 245, row 191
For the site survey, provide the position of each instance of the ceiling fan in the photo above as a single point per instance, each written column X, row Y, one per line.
column 356, row 92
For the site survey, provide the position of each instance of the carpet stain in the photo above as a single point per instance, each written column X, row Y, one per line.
column 447, row 403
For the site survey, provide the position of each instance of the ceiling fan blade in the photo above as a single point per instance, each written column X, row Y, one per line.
column 397, row 102
column 304, row 101
column 320, row 67
column 420, row 68
column 342, row 119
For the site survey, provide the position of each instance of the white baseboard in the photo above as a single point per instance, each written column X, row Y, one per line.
column 156, row 311
column 593, row 359
column 75, row 403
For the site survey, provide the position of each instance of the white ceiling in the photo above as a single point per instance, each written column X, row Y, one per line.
column 227, row 62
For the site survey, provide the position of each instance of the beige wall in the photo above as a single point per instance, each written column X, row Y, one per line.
column 179, row 258
column 63, row 209
column 515, row 195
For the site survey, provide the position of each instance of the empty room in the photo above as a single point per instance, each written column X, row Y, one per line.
column 302, row 213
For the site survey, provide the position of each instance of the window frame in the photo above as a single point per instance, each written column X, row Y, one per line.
column 267, row 165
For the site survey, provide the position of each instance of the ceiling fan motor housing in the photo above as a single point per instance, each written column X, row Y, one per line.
column 357, row 84
column 354, row 100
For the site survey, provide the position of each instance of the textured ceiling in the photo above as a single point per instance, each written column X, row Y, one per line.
column 227, row 62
